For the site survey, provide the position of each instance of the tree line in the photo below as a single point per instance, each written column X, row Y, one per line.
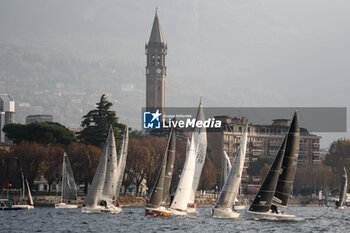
column 40, row 147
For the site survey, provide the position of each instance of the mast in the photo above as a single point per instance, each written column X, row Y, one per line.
column 289, row 165
column 229, row 192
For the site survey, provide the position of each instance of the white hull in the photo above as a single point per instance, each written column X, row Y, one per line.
column 224, row 213
column 191, row 209
column 240, row 207
column 65, row 206
column 269, row 216
column 178, row 212
column 24, row 207
column 100, row 209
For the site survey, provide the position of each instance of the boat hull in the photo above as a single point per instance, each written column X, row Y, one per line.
column 23, row 207
column 178, row 212
column 269, row 216
column 161, row 211
column 101, row 209
column 65, row 206
column 224, row 213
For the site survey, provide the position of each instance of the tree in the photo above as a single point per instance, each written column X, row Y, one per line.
column 51, row 165
column 338, row 155
column 30, row 155
column 208, row 176
column 136, row 164
column 47, row 133
column 260, row 166
column 84, row 160
column 96, row 123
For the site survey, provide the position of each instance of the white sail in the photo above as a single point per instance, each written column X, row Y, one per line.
column 110, row 184
column 229, row 192
column 184, row 187
column 227, row 165
column 123, row 153
column 200, row 140
column 95, row 191
column 69, row 189
column 30, row 198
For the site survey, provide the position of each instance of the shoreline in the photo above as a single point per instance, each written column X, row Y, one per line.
column 130, row 201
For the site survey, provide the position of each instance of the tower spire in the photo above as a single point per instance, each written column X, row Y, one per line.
column 156, row 34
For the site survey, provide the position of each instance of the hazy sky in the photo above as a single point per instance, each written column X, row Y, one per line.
column 234, row 53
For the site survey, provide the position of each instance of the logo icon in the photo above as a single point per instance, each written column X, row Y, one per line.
column 151, row 120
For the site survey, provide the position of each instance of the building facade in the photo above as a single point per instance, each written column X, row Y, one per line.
column 263, row 140
column 155, row 51
column 39, row 118
column 7, row 114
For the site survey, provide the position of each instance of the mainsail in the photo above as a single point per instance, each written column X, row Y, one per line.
column 69, row 190
column 95, row 191
column 344, row 187
column 110, row 184
column 229, row 192
column 30, row 198
column 200, row 140
column 279, row 170
column 170, row 164
column 123, row 153
column 184, row 187
column 289, row 165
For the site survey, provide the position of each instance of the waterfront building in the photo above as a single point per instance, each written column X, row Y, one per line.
column 7, row 114
column 39, row 118
column 155, row 51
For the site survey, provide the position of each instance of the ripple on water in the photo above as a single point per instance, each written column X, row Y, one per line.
column 309, row 219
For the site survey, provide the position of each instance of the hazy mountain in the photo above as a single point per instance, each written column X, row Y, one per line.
column 233, row 53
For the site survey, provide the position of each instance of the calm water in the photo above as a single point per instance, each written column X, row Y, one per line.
column 312, row 219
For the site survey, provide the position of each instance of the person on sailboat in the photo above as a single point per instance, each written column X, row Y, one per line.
column 274, row 209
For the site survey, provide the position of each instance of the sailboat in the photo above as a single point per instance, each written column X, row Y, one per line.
column 161, row 189
column 16, row 180
column 184, row 188
column 224, row 204
column 30, row 203
column 277, row 185
column 344, row 187
column 68, row 186
column 200, row 141
column 101, row 197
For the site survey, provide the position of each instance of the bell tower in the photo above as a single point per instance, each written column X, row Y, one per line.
column 155, row 51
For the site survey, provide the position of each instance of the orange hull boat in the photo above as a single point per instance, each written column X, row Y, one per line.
column 158, row 212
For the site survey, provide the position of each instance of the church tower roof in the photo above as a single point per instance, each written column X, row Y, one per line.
column 156, row 34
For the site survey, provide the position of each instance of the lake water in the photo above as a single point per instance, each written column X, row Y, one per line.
column 311, row 219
